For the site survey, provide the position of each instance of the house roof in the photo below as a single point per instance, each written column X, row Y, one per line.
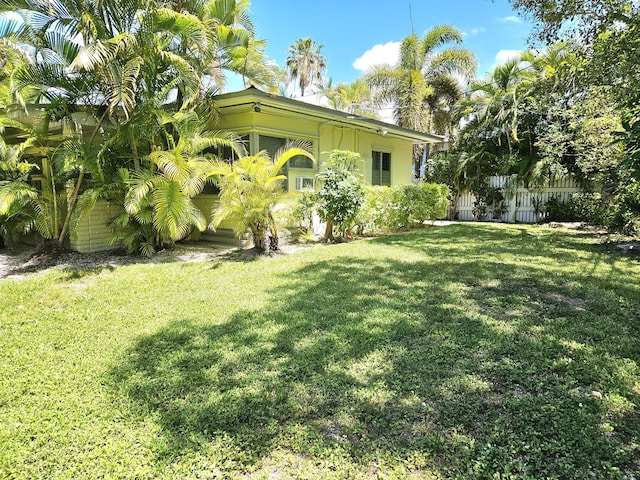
column 252, row 97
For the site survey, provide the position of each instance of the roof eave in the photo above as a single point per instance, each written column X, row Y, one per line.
column 255, row 95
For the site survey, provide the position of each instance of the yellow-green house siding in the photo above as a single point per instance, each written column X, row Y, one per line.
column 324, row 138
column 92, row 232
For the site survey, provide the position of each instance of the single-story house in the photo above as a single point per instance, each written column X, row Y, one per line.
column 267, row 122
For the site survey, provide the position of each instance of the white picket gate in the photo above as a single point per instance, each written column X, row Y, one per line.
column 521, row 207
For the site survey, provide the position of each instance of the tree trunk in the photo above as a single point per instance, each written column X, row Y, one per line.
column 273, row 241
column 71, row 205
column 259, row 238
column 453, row 210
column 328, row 231
column 272, row 234
column 54, row 193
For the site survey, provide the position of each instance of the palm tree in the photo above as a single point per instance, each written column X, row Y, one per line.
column 251, row 190
column 497, row 99
column 305, row 63
column 125, row 62
column 161, row 196
column 517, row 119
column 426, row 82
column 354, row 98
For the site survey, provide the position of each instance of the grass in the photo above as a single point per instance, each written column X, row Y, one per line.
column 468, row 351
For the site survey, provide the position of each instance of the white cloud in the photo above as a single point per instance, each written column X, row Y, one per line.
column 378, row 55
column 510, row 19
column 504, row 56
column 474, row 31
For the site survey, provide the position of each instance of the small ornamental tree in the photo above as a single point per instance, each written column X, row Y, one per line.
column 342, row 193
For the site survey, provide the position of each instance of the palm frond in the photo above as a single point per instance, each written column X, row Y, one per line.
column 174, row 213
column 217, row 138
column 185, row 25
column 10, row 28
column 411, row 53
column 65, row 49
column 384, row 80
column 441, row 35
column 173, row 165
column 45, row 218
column 139, row 187
column 101, row 52
column 123, row 85
column 291, row 149
column 15, row 193
column 454, row 61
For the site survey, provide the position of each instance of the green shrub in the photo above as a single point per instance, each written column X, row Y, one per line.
column 625, row 215
column 376, row 209
column 302, row 211
column 620, row 212
column 559, row 211
column 592, row 208
column 489, row 200
column 405, row 206
column 426, row 201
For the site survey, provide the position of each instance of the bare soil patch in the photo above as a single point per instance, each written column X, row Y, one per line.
column 24, row 260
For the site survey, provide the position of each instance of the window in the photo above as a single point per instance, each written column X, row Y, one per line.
column 229, row 155
column 226, row 154
column 272, row 144
column 304, row 183
column 381, row 168
column 300, row 161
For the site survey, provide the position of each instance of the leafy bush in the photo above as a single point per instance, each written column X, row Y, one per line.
column 376, row 211
column 302, row 210
column 620, row 212
column 405, row 206
column 426, row 201
column 592, row 208
column 626, row 212
column 488, row 200
column 559, row 211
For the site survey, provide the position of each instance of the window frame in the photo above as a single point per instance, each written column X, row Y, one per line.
column 285, row 139
column 377, row 175
column 300, row 180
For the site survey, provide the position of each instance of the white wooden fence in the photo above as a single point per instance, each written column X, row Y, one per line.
column 521, row 205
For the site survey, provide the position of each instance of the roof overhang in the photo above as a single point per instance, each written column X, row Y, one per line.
column 252, row 97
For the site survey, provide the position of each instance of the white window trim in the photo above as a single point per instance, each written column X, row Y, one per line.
column 300, row 183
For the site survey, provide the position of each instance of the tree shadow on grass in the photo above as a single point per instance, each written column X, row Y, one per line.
column 495, row 241
column 397, row 366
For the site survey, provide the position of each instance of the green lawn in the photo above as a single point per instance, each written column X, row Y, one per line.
column 466, row 351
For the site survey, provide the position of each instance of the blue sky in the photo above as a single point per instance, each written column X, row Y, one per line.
column 360, row 31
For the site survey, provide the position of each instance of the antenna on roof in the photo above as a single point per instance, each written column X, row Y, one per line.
column 413, row 32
